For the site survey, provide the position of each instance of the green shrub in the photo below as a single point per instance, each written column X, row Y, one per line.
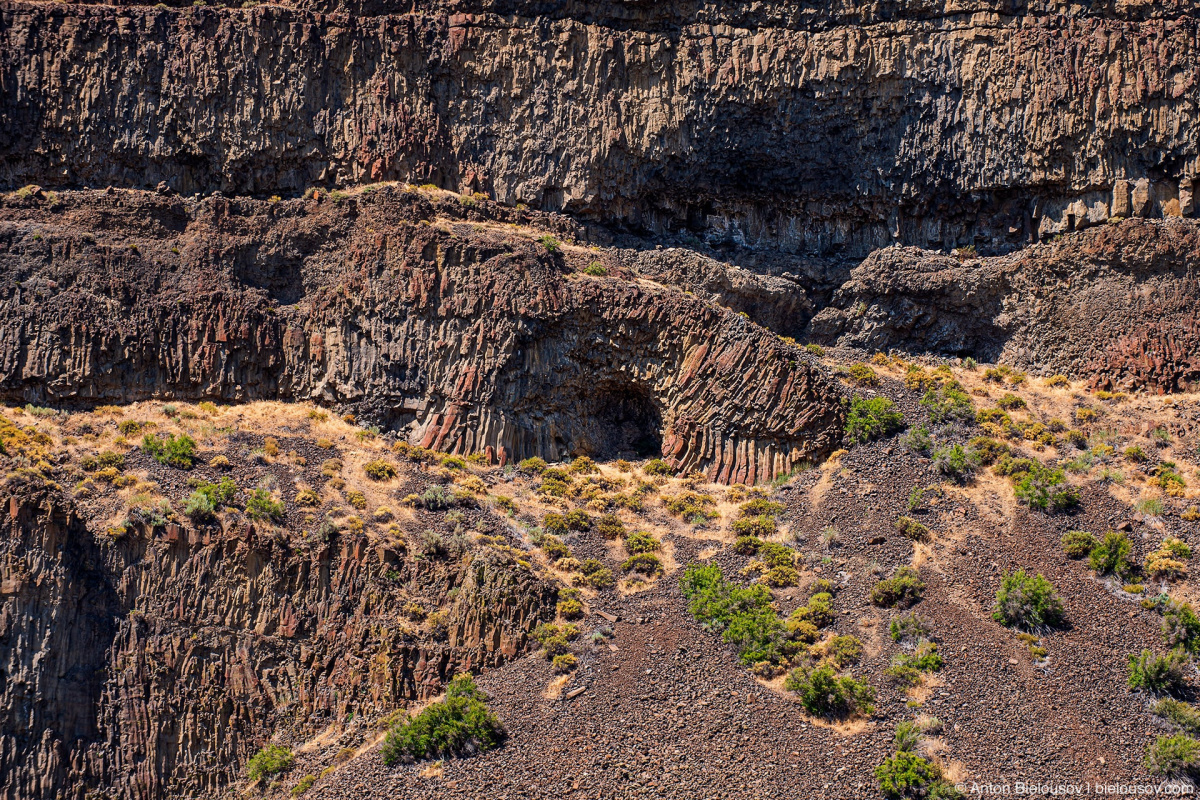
column 863, row 375
column 656, row 466
column 601, row 578
column 989, row 450
column 436, row 497
column 199, row 506
column 918, row 440
column 781, row 577
column 818, row 610
column 459, row 725
column 303, row 785
column 582, row 465
column 760, row 507
column 760, row 527
column 554, row 524
column 904, row 588
column 1045, row 489
column 549, row 242
column 912, row 529
column 610, row 527
column 1077, row 544
column 1168, row 478
column 645, row 563
column 208, row 498
column 1025, row 601
column 381, row 470
column 1010, row 401
column 1158, row 674
column 108, row 458
column 578, row 520
column 595, row 268
column 564, row 663
column 747, row 545
column 554, row 549
column 872, row 418
column 534, row 465
column 743, row 616
column 691, row 506
column 824, row 693
column 548, row 635
column 171, row 450
column 822, row 586
column 774, row 554
column 1176, row 548
column 271, row 760
column 557, row 474
column 570, row 608
column 843, row 651
column 906, row 774
column 907, row 736
column 261, row 505
column 956, row 462
column 1111, row 555
column 1179, row 713
column 1181, row 627
column 949, row 403
column 926, row 657
column 641, row 542
column 1174, row 756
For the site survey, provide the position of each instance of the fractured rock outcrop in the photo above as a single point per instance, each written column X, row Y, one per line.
column 1115, row 304
column 832, row 130
column 156, row 664
column 461, row 336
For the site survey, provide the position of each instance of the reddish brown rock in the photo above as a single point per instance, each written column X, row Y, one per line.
column 459, row 337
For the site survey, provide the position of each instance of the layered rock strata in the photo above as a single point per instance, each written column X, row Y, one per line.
column 830, row 130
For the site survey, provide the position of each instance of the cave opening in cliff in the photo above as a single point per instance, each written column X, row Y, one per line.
column 626, row 421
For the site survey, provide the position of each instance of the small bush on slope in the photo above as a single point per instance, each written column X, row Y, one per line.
column 1025, row 601
column 872, row 419
column 459, row 725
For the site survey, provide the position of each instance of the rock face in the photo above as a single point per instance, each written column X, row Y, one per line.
column 155, row 665
column 1117, row 304
column 463, row 336
column 818, row 128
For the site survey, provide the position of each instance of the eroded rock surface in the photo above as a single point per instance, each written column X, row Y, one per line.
column 824, row 129
column 467, row 337
column 1116, row 304
column 154, row 665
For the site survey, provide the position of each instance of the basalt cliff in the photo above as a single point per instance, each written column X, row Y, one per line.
column 699, row 376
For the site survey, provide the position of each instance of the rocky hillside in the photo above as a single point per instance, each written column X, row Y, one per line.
column 511, row 398
column 151, row 640
column 288, row 582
